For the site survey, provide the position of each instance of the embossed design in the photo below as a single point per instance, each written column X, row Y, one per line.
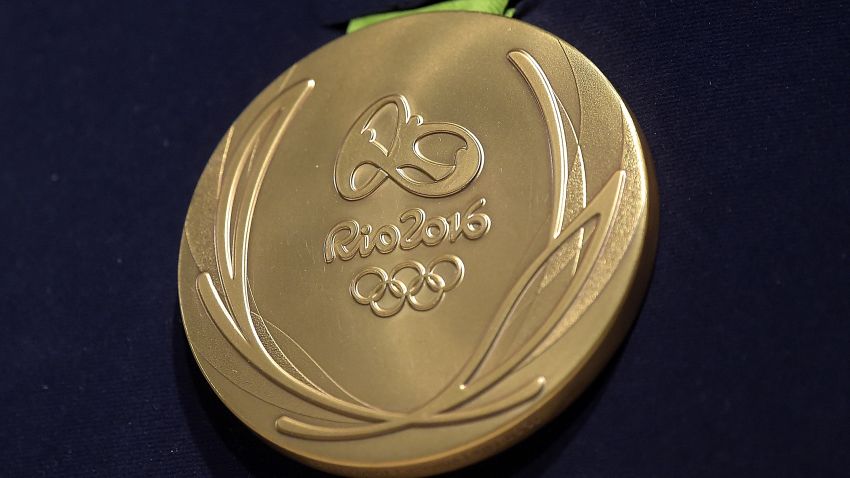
column 226, row 298
column 375, row 155
column 569, row 184
column 348, row 238
column 411, row 282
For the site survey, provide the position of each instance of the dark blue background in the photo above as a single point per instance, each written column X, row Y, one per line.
column 738, row 365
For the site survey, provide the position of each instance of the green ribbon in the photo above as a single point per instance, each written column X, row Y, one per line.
column 496, row 7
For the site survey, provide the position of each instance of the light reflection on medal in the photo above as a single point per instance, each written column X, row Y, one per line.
column 418, row 244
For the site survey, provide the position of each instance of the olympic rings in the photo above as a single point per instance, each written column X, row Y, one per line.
column 409, row 282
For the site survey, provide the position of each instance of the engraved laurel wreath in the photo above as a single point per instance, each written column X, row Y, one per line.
column 577, row 235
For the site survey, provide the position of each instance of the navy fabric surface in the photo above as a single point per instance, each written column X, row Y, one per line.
column 739, row 364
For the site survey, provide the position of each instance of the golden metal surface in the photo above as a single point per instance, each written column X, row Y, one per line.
column 418, row 244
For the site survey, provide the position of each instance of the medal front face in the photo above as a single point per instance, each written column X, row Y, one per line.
column 418, row 244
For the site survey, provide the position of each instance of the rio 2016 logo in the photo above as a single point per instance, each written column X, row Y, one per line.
column 391, row 153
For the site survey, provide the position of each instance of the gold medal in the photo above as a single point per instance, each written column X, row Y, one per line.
column 418, row 244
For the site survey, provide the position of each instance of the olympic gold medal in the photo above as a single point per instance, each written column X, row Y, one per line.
column 418, row 244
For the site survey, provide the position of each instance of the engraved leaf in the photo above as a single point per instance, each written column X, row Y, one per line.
column 599, row 215
column 539, row 298
column 231, row 310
